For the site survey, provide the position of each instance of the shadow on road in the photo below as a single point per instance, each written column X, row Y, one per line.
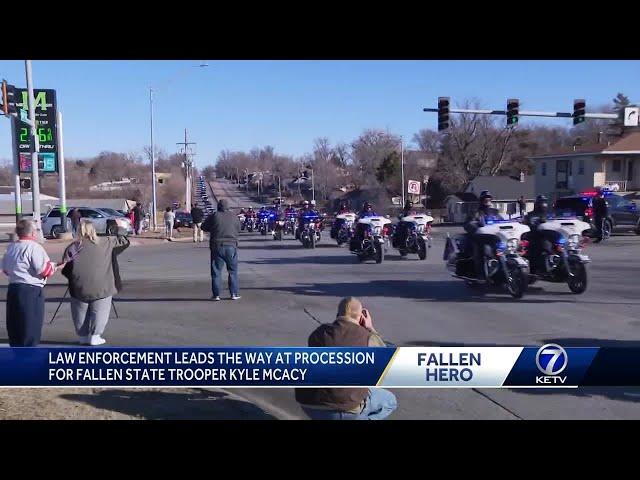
column 195, row 404
column 427, row 290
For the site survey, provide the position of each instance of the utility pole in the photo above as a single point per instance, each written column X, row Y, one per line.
column 35, row 179
column 188, row 163
column 402, row 167
column 61, row 176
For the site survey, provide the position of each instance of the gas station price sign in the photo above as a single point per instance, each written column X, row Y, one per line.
column 46, row 121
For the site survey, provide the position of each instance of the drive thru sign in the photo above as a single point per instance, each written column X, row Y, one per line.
column 414, row 187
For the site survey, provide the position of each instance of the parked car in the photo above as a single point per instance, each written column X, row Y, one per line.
column 623, row 213
column 183, row 219
column 104, row 222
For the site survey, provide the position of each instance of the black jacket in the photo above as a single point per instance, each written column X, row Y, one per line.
column 600, row 207
column 197, row 215
column 478, row 219
column 534, row 218
column 223, row 228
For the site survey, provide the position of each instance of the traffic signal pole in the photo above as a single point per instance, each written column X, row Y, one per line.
column 523, row 113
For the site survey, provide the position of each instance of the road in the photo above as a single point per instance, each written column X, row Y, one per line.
column 286, row 290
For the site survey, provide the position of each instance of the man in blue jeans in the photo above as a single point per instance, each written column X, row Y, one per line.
column 353, row 327
column 223, row 227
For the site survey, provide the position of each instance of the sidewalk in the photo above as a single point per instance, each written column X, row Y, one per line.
column 127, row 404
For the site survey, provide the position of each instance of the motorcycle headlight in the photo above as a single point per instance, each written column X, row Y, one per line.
column 512, row 244
column 573, row 241
column 377, row 230
column 420, row 228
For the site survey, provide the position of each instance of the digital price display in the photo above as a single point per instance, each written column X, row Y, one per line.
column 46, row 116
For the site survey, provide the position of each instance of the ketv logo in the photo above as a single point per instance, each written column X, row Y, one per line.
column 551, row 360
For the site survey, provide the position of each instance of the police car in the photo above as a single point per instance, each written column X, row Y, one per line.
column 623, row 213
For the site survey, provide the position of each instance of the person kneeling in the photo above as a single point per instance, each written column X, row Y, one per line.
column 353, row 327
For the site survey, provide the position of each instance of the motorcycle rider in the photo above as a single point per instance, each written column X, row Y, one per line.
column 478, row 241
column 306, row 215
column 600, row 211
column 540, row 241
column 367, row 211
column 407, row 210
column 343, row 209
column 402, row 227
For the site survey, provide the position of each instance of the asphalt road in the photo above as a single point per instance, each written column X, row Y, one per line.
column 286, row 290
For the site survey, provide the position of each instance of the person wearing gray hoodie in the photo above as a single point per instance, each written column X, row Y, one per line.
column 223, row 227
column 92, row 270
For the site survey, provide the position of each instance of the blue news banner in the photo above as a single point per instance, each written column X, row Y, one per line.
column 549, row 366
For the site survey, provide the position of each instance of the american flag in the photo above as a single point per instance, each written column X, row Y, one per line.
column 448, row 248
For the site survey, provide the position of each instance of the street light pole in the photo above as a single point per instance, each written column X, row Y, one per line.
column 402, row 167
column 35, row 179
column 313, row 187
column 154, row 205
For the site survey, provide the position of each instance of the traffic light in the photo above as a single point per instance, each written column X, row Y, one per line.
column 579, row 110
column 25, row 183
column 443, row 113
column 8, row 99
column 513, row 106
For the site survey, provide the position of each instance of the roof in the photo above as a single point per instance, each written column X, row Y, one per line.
column 629, row 144
column 465, row 197
column 503, row 187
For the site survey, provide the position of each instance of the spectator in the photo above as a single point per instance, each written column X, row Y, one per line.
column 169, row 219
column 91, row 268
column 28, row 266
column 137, row 212
column 131, row 215
column 522, row 204
column 353, row 327
column 197, row 215
column 223, row 227
column 75, row 217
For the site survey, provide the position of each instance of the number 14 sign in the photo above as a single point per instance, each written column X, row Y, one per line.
column 46, row 117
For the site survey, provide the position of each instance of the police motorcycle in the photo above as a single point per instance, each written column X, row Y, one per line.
column 290, row 221
column 501, row 260
column 413, row 235
column 554, row 250
column 264, row 217
column 243, row 220
column 309, row 234
column 342, row 228
column 250, row 222
column 370, row 237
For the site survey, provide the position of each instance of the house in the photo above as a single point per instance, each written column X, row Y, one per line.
column 573, row 170
column 505, row 191
column 459, row 206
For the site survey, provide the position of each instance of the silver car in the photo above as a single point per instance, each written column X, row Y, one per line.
column 106, row 223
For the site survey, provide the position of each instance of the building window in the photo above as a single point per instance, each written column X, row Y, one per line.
column 580, row 167
column 617, row 165
column 544, row 169
column 562, row 174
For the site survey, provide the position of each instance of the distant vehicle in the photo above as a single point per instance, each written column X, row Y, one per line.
column 623, row 213
column 105, row 223
column 183, row 219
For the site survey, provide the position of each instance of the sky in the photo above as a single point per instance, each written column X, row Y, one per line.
column 239, row 105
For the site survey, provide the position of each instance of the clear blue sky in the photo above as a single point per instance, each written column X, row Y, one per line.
column 238, row 105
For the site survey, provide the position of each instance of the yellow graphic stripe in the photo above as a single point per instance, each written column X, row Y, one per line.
column 386, row 369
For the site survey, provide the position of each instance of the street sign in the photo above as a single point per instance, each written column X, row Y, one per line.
column 46, row 118
column 414, row 187
column 631, row 116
